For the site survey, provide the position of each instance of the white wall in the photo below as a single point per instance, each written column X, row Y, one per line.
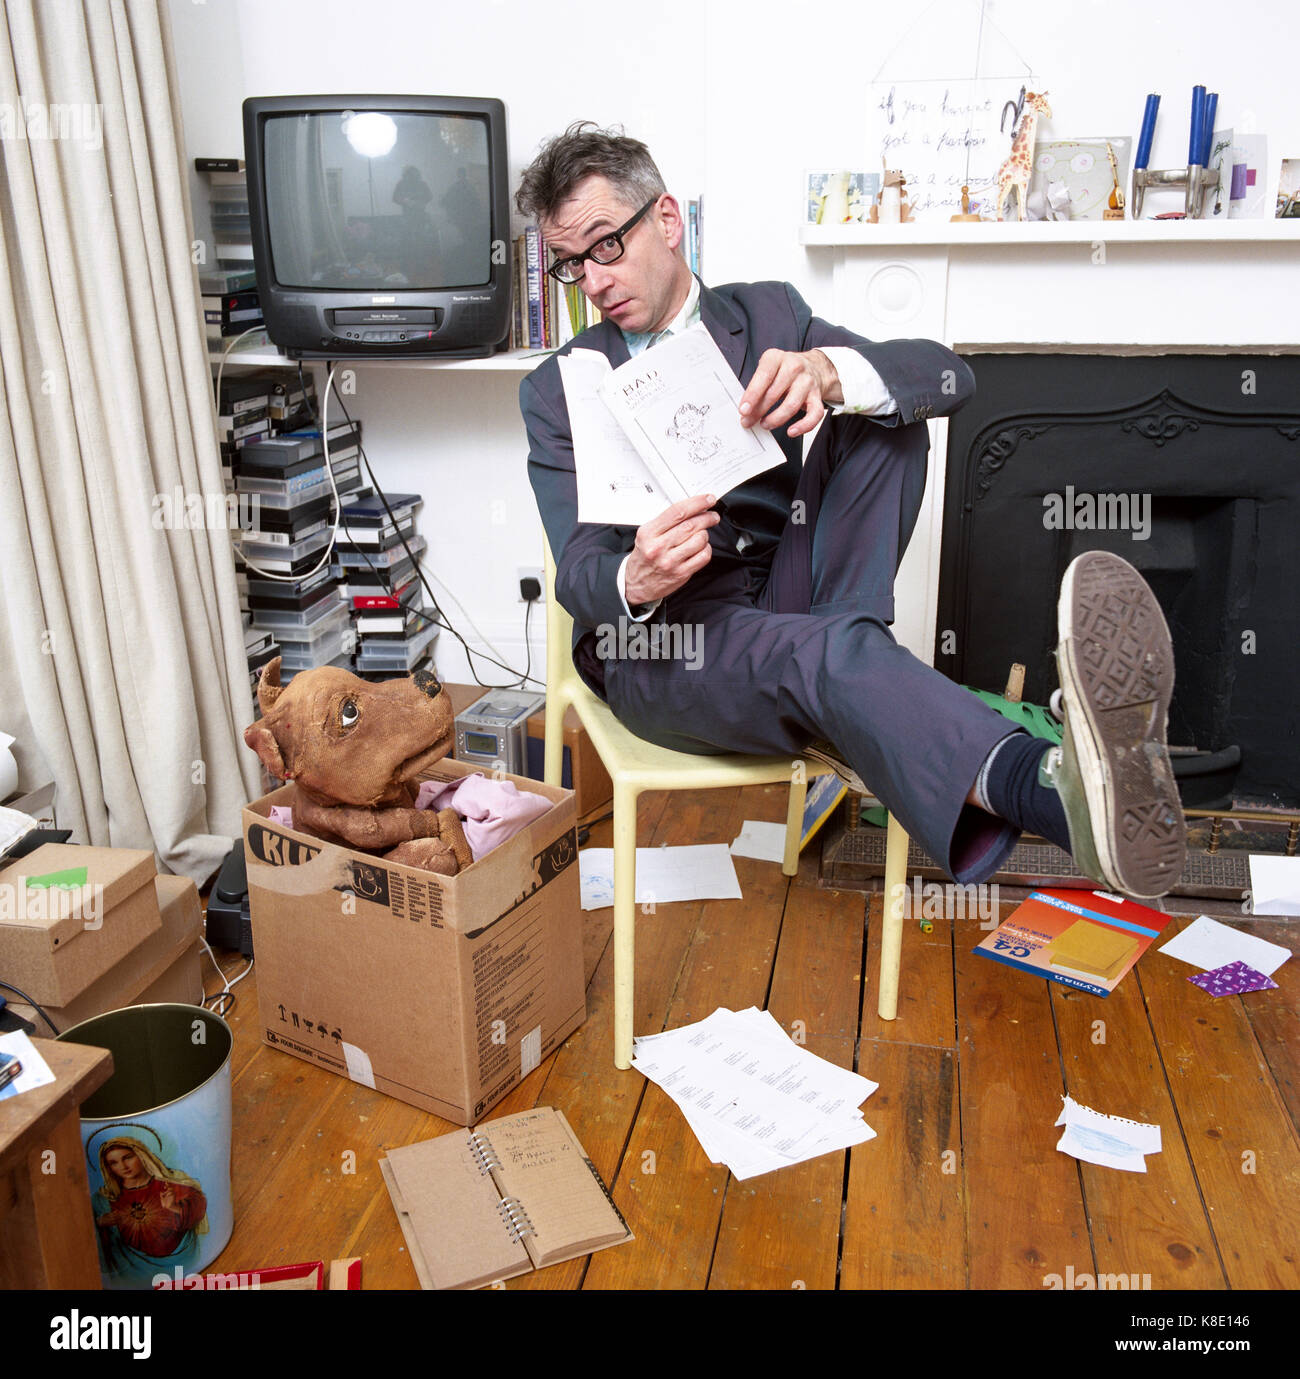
column 736, row 99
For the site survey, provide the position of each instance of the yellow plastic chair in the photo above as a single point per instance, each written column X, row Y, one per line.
column 635, row 765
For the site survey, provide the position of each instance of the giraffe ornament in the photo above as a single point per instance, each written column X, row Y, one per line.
column 1015, row 172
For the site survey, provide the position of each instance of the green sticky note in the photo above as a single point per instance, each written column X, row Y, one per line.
column 73, row 876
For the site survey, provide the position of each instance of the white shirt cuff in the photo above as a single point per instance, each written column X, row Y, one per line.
column 864, row 390
column 621, row 581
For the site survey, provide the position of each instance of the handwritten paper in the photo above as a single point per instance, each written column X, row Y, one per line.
column 942, row 135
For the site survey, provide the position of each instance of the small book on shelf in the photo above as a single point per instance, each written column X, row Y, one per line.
column 516, row 1194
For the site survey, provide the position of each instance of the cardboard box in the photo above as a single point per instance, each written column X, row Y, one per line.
column 182, row 982
column 55, row 941
column 164, row 967
column 588, row 778
column 441, row 991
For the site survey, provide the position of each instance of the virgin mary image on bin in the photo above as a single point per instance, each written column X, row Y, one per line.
column 147, row 1213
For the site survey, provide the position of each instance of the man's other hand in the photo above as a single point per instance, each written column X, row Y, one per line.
column 791, row 383
column 669, row 549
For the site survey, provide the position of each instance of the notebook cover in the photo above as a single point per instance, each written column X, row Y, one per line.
column 448, row 1209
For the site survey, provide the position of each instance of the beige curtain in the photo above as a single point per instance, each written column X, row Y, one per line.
column 124, row 659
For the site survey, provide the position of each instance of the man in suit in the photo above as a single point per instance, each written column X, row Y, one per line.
column 787, row 585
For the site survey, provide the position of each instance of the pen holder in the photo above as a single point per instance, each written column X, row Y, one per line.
column 1194, row 179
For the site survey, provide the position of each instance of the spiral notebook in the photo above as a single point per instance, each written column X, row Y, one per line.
column 516, row 1194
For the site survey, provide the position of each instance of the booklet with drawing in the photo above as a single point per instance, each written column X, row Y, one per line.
column 517, row 1193
column 662, row 427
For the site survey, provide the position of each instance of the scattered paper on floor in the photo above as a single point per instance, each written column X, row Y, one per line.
column 1108, row 1141
column 703, row 871
column 755, row 1099
column 1208, row 944
column 1274, row 885
column 764, row 841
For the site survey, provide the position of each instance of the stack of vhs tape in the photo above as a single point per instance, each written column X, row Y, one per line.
column 229, row 289
column 377, row 552
column 291, row 593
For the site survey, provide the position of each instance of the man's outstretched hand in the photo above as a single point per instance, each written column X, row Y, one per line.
column 791, row 383
column 669, row 549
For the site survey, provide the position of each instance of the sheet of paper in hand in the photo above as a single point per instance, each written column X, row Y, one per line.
column 677, row 409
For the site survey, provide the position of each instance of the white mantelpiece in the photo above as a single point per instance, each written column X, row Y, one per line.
column 1122, row 287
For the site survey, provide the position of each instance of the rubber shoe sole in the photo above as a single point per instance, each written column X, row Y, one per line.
column 1116, row 664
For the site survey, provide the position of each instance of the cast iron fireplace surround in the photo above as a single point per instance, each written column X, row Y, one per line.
column 1187, row 466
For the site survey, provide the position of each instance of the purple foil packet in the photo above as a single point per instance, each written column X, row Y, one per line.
column 1232, row 980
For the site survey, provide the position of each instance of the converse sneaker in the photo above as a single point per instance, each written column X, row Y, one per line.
column 1112, row 771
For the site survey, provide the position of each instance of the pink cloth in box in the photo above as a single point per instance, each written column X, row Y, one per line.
column 493, row 810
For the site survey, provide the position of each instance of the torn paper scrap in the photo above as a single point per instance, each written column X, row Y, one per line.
column 764, row 841
column 1233, row 980
column 1208, row 944
column 702, row 871
column 1108, row 1141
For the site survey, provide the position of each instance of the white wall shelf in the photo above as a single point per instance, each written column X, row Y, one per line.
column 509, row 361
column 1044, row 234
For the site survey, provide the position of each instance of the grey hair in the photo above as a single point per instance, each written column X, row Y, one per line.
column 583, row 151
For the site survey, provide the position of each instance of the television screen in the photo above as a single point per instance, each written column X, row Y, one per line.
column 378, row 200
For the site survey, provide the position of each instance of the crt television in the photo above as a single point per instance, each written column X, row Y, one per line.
column 380, row 224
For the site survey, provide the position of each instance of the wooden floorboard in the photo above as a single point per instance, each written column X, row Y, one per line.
column 1241, row 1139
column 962, row 1187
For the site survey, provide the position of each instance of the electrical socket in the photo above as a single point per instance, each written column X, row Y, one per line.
column 531, row 572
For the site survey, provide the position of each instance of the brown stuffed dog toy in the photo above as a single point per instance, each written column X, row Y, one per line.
column 353, row 750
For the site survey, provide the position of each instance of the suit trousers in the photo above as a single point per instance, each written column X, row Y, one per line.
column 765, row 654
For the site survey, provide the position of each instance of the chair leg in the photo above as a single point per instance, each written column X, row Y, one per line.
column 794, row 823
column 891, row 934
column 553, row 746
column 624, row 920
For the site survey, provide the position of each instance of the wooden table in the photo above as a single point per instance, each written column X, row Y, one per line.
column 47, row 1232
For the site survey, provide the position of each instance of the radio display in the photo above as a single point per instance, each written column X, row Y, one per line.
column 485, row 743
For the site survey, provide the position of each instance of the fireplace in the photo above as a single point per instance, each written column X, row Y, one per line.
column 1187, row 466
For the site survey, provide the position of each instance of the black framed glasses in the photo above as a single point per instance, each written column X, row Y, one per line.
column 608, row 249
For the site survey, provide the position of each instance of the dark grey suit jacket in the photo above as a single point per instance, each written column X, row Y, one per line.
column 923, row 377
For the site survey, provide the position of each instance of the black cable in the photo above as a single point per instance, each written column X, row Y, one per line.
column 33, row 1005
column 528, row 646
